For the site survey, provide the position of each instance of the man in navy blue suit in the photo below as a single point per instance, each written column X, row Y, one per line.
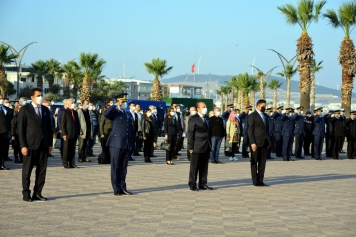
column 278, row 125
column 120, row 143
column 287, row 133
column 299, row 132
column 243, row 117
column 319, row 134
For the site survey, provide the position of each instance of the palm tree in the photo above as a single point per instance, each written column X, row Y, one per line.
column 38, row 69
column 255, row 86
column 288, row 73
column 218, row 92
column 262, row 89
column 305, row 13
column 5, row 58
column 90, row 65
column 345, row 19
column 226, row 90
column 55, row 69
column 275, row 85
column 157, row 68
column 316, row 67
column 233, row 84
column 246, row 84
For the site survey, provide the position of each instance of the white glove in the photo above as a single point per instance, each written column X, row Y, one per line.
column 283, row 111
column 333, row 115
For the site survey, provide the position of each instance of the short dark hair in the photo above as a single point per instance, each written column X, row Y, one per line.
column 6, row 98
column 131, row 103
column 137, row 104
column 237, row 110
column 261, row 101
column 33, row 91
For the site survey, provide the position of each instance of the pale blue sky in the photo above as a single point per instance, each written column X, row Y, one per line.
column 133, row 32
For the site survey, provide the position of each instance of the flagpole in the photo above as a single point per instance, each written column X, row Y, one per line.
column 195, row 58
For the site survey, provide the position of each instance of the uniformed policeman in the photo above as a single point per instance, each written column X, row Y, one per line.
column 299, row 132
column 287, row 134
column 278, row 126
column 308, row 133
column 319, row 133
column 351, row 135
column 120, row 142
column 343, row 123
column 328, row 132
column 243, row 119
column 337, row 133
column 270, row 132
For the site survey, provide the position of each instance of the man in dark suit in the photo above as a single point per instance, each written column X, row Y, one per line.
column 259, row 142
column 132, row 107
column 70, row 132
column 180, row 126
column 35, row 135
column 278, row 125
column 318, row 133
column 351, row 135
column 337, row 133
column 243, row 117
column 199, row 146
column 9, row 114
column 120, row 142
column 6, row 115
column 299, row 132
column 59, row 119
column 269, row 114
column 287, row 134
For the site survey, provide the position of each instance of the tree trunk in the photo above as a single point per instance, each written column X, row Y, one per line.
column 156, row 94
column 312, row 92
column 66, row 89
column 347, row 60
column 262, row 89
column 75, row 94
column 252, row 99
column 95, row 84
column 275, row 98
column 288, row 93
column 240, row 100
column 232, row 95
column 39, row 82
column 85, row 91
column 226, row 100
column 50, row 80
column 246, row 101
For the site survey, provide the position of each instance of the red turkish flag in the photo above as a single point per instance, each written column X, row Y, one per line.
column 193, row 67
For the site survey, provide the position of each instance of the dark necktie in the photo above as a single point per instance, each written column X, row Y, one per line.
column 73, row 116
column 38, row 112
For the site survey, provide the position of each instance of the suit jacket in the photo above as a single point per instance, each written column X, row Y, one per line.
column 70, row 128
column 105, row 126
column 319, row 129
column 83, row 124
column 299, row 124
column 288, row 126
column 121, row 135
column 5, row 120
column 258, row 129
column 278, row 123
column 32, row 129
column 170, row 126
column 243, row 117
column 59, row 118
column 351, row 129
column 337, row 126
column 179, row 122
column 135, row 123
column 199, row 138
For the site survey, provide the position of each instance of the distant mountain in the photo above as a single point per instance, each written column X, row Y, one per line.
column 202, row 79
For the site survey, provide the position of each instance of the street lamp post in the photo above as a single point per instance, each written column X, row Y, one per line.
column 18, row 63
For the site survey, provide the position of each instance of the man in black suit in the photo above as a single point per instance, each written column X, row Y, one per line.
column 70, row 133
column 199, row 146
column 132, row 107
column 259, row 142
column 6, row 115
column 35, row 135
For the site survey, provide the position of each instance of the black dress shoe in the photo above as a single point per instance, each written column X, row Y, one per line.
column 290, row 159
column 194, row 189
column 213, row 162
column 50, row 155
column 136, row 154
column 255, row 184
column 4, row 168
column 300, row 157
column 8, row 159
column 126, row 192
column 205, row 187
column 74, row 166
column 117, row 193
column 317, row 159
column 218, row 162
column 65, row 167
column 245, row 157
column 336, row 158
column 153, row 156
column 263, row 184
column 38, row 197
column 27, row 198
column 131, row 159
column 269, row 158
column 351, row 158
column 178, row 154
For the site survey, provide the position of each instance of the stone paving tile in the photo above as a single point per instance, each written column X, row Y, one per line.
column 305, row 198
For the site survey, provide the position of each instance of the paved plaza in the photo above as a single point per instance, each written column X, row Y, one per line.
column 305, row 198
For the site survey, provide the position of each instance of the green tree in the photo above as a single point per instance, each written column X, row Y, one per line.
column 247, row 84
column 275, row 85
column 25, row 92
column 316, row 67
column 225, row 91
column 5, row 58
column 305, row 13
column 54, row 70
column 90, row 66
column 288, row 73
column 38, row 69
column 157, row 68
column 9, row 89
column 345, row 19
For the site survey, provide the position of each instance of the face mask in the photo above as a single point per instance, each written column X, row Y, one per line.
column 39, row 100
column 175, row 110
column 354, row 116
column 124, row 105
column 230, row 109
column 154, row 111
column 80, row 107
column 141, row 112
column 90, row 107
column 72, row 106
column 149, row 114
column 301, row 112
column 217, row 113
column 290, row 114
column 22, row 102
column 86, row 107
column 52, row 103
column 178, row 110
column 138, row 109
column 204, row 110
column 270, row 114
column 93, row 108
column 193, row 113
column 236, row 116
column 1, row 101
column 7, row 104
column 171, row 113
column 111, row 104
column 249, row 112
column 263, row 109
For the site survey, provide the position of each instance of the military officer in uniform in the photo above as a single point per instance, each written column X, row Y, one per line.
column 120, row 143
column 343, row 123
column 270, row 132
column 351, row 135
column 308, row 133
column 328, row 132
column 287, row 133
column 319, row 133
column 243, row 119
column 278, row 125
column 337, row 133
column 299, row 132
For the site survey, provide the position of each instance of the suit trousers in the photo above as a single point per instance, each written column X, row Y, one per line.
column 39, row 159
column 3, row 140
column 336, row 143
column 287, row 144
column 298, row 144
column 269, row 149
column 307, row 141
column 245, row 146
column 119, row 161
column 351, row 146
column 69, row 152
column 328, row 145
column 172, row 153
column 278, row 141
column 318, row 146
column 104, row 148
column 82, row 148
column 136, row 148
column 199, row 163
column 258, row 163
